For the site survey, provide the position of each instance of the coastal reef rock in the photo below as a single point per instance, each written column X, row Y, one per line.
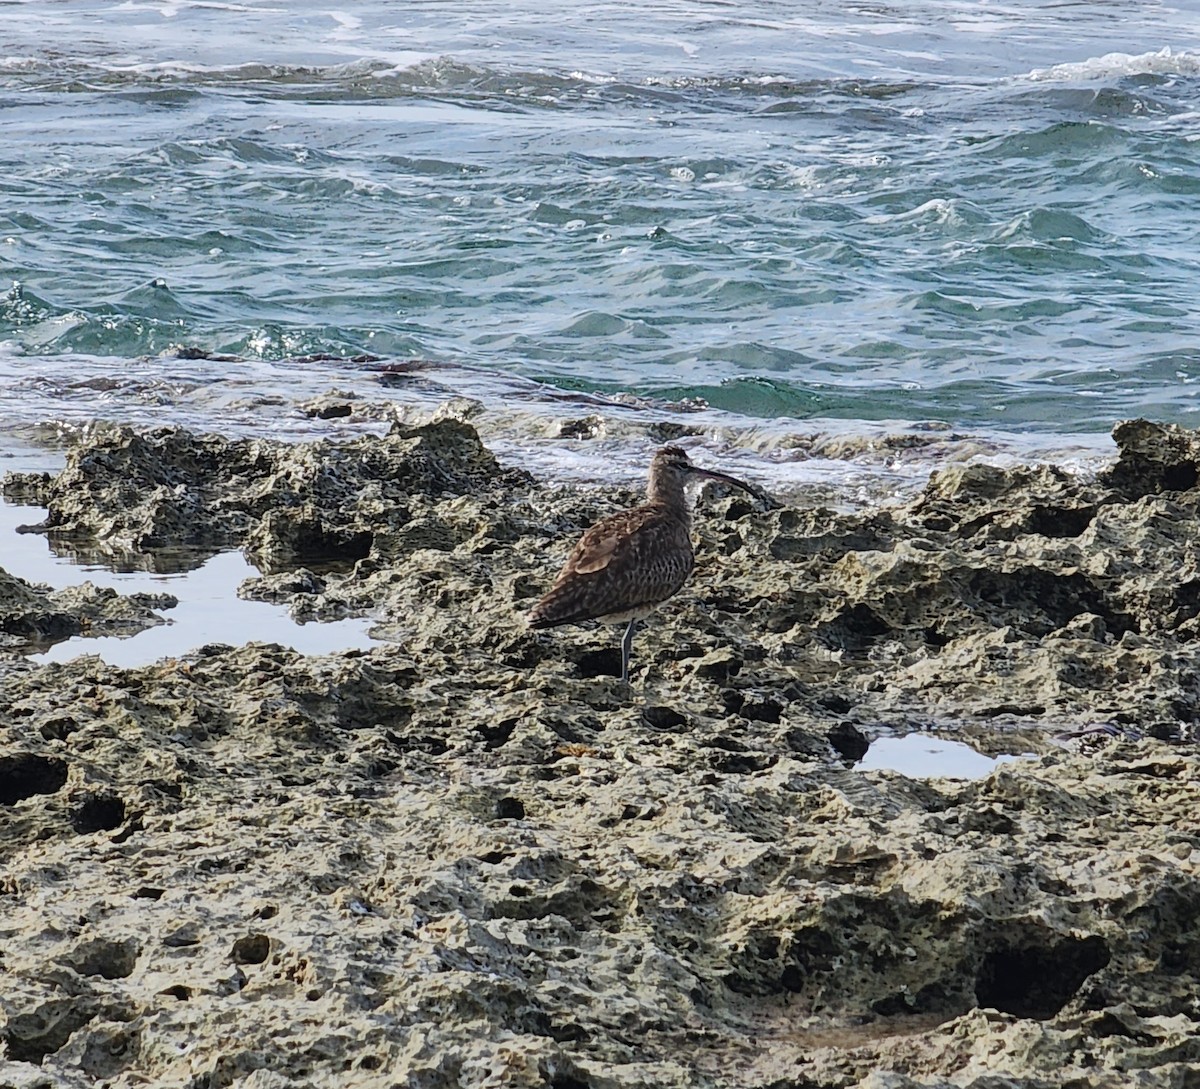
column 32, row 615
column 468, row 857
column 146, row 489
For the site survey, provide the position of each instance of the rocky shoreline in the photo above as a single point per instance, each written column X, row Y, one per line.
column 469, row 857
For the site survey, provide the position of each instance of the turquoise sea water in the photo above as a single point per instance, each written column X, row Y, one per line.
column 981, row 215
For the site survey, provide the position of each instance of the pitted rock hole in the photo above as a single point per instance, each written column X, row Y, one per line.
column 762, row 709
column 569, row 1081
column 1060, row 521
column 1037, row 980
column 252, row 949
column 854, row 630
column 600, row 663
column 495, row 735
column 97, row 813
column 33, row 1034
column 104, row 957
column 1181, row 477
column 24, row 775
column 1051, row 599
column 315, row 542
column 663, row 718
column 510, row 809
column 849, row 741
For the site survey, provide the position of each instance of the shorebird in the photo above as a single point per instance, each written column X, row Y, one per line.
column 629, row 563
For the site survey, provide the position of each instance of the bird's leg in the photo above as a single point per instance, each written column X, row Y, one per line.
column 626, row 647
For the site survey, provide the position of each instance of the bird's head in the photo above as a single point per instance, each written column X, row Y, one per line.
column 672, row 471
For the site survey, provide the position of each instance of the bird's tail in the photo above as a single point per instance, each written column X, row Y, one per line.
column 562, row 605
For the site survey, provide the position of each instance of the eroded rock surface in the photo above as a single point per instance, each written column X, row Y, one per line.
column 32, row 615
column 168, row 487
column 469, row 858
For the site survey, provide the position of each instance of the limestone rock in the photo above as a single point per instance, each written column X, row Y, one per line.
column 469, row 857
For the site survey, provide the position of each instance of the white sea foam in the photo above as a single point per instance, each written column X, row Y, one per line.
column 346, row 20
column 1164, row 62
column 938, row 210
column 672, row 38
column 382, row 63
column 843, row 462
column 168, row 9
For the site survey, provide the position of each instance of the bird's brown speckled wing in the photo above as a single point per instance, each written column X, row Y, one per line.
column 628, row 561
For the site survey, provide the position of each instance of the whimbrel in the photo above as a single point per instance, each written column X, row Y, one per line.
column 629, row 563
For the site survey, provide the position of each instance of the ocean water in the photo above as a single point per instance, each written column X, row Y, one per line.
column 768, row 220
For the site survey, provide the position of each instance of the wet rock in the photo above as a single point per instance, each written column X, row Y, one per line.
column 849, row 741
column 470, row 856
column 153, row 488
column 23, row 774
column 107, row 958
column 1154, row 458
column 587, row 427
column 332, row 405
column 33, row 615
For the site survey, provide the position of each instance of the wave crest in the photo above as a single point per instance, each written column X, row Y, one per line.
column 1164, row 62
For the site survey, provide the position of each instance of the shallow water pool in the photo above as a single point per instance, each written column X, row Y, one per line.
column 209, row 609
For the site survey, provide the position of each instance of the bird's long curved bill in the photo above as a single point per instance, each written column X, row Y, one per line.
column 725, row 478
